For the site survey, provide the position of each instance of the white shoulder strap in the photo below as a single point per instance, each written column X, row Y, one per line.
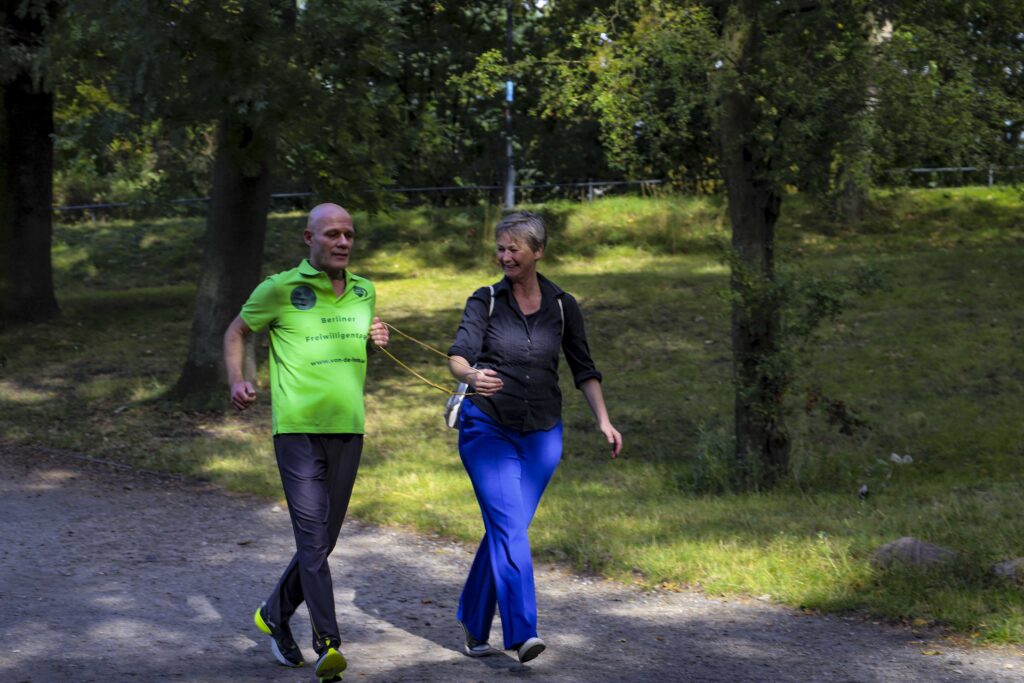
column 561, row 309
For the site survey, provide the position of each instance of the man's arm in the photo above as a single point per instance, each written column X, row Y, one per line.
column 242, row 392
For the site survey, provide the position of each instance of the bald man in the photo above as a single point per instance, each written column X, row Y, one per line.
column 320, row 317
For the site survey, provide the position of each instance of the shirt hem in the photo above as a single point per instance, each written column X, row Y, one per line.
column 316, row 429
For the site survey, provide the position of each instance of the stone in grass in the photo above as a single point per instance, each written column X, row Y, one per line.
column 1010, row 569
column 911, row 551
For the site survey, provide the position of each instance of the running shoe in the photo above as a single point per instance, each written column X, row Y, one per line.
column 331, row 662
column 474, row 647
column 530, row 649
column 281, row 642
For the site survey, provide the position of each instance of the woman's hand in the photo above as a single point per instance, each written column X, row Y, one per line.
column 591, row 389
column 613, row 436
column 485, row 381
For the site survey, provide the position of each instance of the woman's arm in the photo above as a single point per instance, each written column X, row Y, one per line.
column 468, row 341
column 483, row 382
column 591, row 389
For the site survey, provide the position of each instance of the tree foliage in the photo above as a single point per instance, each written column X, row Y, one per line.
column 603, row 90
column 304, row 87
column 642, row 72
column 454, row 134
column 950, row 84
column 215, row 96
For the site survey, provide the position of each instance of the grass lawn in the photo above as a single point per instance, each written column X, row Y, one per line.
column 933, row 365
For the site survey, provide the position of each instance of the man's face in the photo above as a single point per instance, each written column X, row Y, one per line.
column 330, row 241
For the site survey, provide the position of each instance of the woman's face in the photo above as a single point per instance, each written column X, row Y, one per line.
column 516, row 258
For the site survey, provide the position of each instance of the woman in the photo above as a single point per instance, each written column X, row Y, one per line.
column 510, row 428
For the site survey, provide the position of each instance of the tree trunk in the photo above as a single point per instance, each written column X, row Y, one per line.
column 232, row 255
column 852, row 198
column 854, row 176
column 852, row 180
column 26, row 191
column 762, row 442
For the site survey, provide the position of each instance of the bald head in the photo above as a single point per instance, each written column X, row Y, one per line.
column 329, row 233
column 325, row 212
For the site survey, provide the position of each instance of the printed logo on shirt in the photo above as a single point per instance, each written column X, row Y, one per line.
column 359, row 291
column 303, row 297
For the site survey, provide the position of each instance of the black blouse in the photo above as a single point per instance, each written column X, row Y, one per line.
column 524, row 352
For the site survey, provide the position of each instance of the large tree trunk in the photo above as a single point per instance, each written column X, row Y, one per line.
column 26, row 188
column 762, row 442
column 232, row 254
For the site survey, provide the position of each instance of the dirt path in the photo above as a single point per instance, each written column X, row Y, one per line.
column 114, row 575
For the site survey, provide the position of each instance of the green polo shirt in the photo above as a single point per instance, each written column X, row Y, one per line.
column 317, row 348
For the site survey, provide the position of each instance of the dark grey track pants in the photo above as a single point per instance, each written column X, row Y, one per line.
column 317, row 472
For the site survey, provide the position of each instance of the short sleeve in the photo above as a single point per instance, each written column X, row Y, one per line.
column 371, row 296
column 262, row 307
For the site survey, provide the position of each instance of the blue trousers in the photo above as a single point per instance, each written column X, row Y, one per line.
column 509, row 470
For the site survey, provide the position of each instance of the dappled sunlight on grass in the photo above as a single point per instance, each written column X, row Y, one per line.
column 68, row 259
column 719, row 269
column 233, row 465
column 147, row 390
column 19, row 393
column 242, row 468
column 232, row 428
column 101, row 387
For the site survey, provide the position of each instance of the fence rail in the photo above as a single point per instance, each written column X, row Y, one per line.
column 941, row 171
column 595, row 188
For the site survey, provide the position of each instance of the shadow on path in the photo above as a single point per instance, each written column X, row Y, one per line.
column 114, row 575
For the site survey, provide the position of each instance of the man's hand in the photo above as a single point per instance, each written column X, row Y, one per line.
column 379, row 332
column 242, row 395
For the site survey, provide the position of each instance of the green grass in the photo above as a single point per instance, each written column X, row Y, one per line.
column 933, row 365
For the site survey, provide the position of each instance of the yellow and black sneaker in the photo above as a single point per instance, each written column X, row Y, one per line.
column 331, row 662
column 281, row 642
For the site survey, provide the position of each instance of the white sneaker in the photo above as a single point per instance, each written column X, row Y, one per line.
column 473, row 647
column 530, row 649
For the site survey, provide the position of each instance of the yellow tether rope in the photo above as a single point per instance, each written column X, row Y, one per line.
column 418, row 375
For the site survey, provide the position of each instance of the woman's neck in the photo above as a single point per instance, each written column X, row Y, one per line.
column 527, row 294
column 528, row 286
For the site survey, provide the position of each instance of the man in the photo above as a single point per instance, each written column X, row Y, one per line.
column 318, row 315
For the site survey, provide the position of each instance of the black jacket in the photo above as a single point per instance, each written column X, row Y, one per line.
column 524, row 351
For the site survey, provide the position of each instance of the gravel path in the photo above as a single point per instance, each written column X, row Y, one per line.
column 109, row 574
